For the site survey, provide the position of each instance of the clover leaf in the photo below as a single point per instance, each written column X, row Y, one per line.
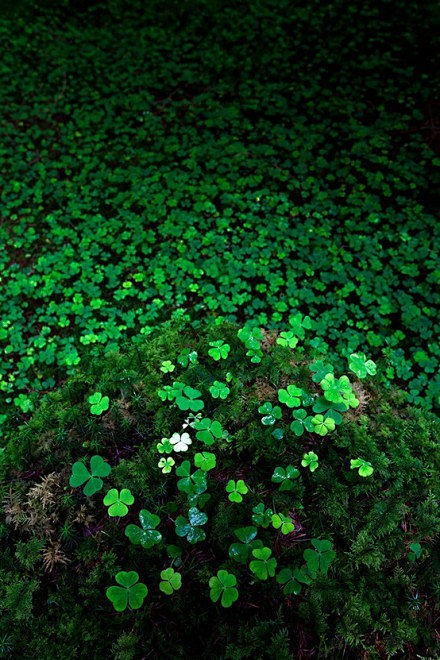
column 166, row 464
column 186, row 357
column 271, row 414
column 190, row 527
column 322, row 425
column 284, row 476
column 240, row 551
column 288, row 339
column 99, row 403
column 300, row 324
column 223, row 586
column 263, row 566
column 171, row 581
column 164, row 446
column 362, row 367
column 236, row 490
column 148, row 535
column 416, row 551
column 301, row 422
column 208, row 431
column 219, row 390
column 330, row 409
column 320, row 369
column 192, row 484
column 180, row 442
column 117, row 502
column 80, row 475
column 205, row 461
column 171, row 392
column 292, row 580
column 336, row 389
column 167, row 367
column 188, row 399
column 219, row 350
column 290, row 396
column 310, row 460
column 283, row 523
column 251, row 339
column 262, row 516
column 365, row 467
column 131, row 592
column 320, row 558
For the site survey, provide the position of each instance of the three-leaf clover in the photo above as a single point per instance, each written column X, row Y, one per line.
column 300, row 324
column 219, row 390
column 164, row 446
column 362, row 367
column 180, row 442
column 271, row 413
column 301, row 422
column 330, row 409
column 284, row 476
column 190, row 527
column 192, row 484
column 208, row 431
column 219, row 350
column 283, row 523
column 416, row 551
column 320, row 369
column 131, row 592
column 320, row 558
column 98, row 403
column 80, row 475
column 263, row 566
column 322, row 425
column 288, row 339
column 205, row 461
column 292, row 580
column 171, row 392
column 236, row 490
column 241, row 551
column 223, row 585
column 117, row 502
column 310, row 460
column 290, row 396
column 166, row 464
column 187, row 356
column 188, row 399
column 262, row 516
column 171, row 581
column 148, row 535
column 336, row 389
column 365, row 467
column 167, row 366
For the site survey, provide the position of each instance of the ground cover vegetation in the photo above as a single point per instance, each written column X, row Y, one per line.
column 185, row 524
column 220, row 160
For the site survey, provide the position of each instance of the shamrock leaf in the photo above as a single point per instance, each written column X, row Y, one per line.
column 192, row 484
column 240, row 551
column 223, row 585
column 208, row 431
column 283, row 523
column 147, row 536
column 320, row 369
column 236, row 490
column 190, row 527
column 287, row 339
column 271, row 414
column 164, row 446
column 98, row 403
column 262, row 516
column 290, row 396
column 362, row 367
column 131, row 592
column 365, row 468
column 166, row 464
column 310, row 460
column 118, row 502
column 320, row 558
column 186, row 357
column 219, row 350
column 171, row 581
column 263, row 566
column 301, row 422
column 330, row 409
column 336, row 389
column 251, row 339
column 292, row 580
column 219, row 390
column 300, row 324
column 322, row 425
column 80, row 474
column 205, row 461
column 167, row 366
column 171, row 392
column 188, row 399
column 284, row 477
column 180, row 442
column 416, row 551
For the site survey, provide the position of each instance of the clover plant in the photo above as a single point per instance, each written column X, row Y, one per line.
column 261, row 516
column 208, row 431
column 283, row 523
column 205, row 461
column 187, row 357
column 188, row 399
column 180, row 442
column 165, row 446
column 80, row 475
column 320, row 558
column 362, row 367
column 171, row 581
column 98, row 403
column 330, row 409
column 251, row 339
column 191, row 484
column 118, row 502
column 322, row 425
column 167, row 367
column 302, row 422
column 147, row 536
column 191, row 526
column 310, row 460
column 291, row 396
column 219, row 390
column 219, row 350
column 300, row 324
column 236, row 490
column 270, row 413
column 223, row 588
column 263, row 565
column 288, row 339
column 365, row 467
column 166, row 464
column 241, row 551
column 285, row 477
column 171, row 392
column 293, row 580
column 131, row 593
column 416, row 551
column 320, row 370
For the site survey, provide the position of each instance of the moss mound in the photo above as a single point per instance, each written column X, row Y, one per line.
column 298, row 515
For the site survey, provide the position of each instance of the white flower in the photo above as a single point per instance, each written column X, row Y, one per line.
column 180, row 442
